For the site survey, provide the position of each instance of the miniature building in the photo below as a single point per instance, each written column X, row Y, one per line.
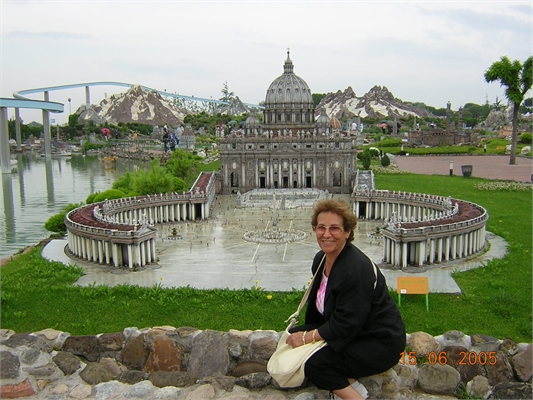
column 289, row 149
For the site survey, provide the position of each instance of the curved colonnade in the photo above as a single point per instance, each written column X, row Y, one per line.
column 423, row 229
column 121, row 232
column 418, row 229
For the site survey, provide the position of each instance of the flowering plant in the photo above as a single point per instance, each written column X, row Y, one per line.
column 504, row 186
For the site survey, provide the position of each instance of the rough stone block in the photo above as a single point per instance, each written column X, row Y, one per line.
column 522, row 364
column 23, row 389
column 438, row 378
column 422, row 344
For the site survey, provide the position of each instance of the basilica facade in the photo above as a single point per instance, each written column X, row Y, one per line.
column 290, row 148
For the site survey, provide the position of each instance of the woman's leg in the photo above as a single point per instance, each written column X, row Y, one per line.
column 348, row 393
column 327, row 370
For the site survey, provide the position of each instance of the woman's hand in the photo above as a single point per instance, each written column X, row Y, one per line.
column 296, row 339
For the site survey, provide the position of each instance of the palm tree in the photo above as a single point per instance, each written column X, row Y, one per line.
column 517, row 79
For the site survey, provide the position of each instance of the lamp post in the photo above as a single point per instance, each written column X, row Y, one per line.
column 69, row 106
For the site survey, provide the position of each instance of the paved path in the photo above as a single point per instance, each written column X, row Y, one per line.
column 489, row 167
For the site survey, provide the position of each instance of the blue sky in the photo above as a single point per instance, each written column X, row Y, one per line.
column 427, row 51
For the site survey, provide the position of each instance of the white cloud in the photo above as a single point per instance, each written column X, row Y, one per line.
column 429, row 51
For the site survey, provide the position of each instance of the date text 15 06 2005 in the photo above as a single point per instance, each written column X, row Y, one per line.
column 466, row 358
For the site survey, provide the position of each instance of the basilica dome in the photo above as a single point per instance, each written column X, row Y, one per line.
column 289, row 103
column 323, row 121
column 288, row 88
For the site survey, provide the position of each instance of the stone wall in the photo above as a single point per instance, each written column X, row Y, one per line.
column 187, row 363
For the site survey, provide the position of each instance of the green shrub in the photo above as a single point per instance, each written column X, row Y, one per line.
column 374, row 153
column 385, row 161
column 109, row 195
column 156, row 180
column 366, row 158
column 526, row 138
column 91, row 146
column 90, row 198
column 125, row 183
column 56, row 223
column 390, row 142
column 179, row 185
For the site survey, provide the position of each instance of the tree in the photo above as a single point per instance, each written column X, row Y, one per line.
column 385, row 161
column 180, row 164
column 517, row 79
column 227, row 95
column 156, row 180
column 366, row 158
column 317, row 97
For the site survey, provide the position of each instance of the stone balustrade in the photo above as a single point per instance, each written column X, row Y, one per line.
column 120, row 232
column 187, row 363
column 423, row 229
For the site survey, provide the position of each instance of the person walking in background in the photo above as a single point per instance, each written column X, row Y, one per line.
column 349, row 307
column 166, row 138
column 173, row 141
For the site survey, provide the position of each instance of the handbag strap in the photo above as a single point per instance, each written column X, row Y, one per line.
column 294, row 317
column 375, row 272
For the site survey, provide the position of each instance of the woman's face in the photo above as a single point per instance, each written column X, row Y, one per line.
column 330, row 233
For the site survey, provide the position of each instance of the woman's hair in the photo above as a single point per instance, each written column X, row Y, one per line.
column 338, row 207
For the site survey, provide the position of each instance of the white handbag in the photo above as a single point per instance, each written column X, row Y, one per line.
column 286, row 365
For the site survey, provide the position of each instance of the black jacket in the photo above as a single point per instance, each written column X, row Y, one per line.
column 358, row 318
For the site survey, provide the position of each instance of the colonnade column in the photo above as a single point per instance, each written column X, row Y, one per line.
column 431, row 251
column 107, row 252
column 421, row 253
column 460, row 246
column 453, row 254
column 130, row 257
column 152, row 249
column 404, row 254
column 142, row 250
column 439, row 249
column 115, row 250
column 100, row 252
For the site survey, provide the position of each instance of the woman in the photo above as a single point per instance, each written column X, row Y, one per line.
column 349, row 306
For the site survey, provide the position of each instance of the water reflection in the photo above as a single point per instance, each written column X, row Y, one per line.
column 45, row 187
column 9, row 211
column 49, row 180
column 20, row 168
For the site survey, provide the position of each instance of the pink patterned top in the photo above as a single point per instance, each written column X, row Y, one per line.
column 321, row 294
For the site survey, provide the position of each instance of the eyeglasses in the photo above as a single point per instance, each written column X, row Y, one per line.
column 333, row 229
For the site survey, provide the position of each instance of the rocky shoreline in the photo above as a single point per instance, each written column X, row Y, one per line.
column 187, row 363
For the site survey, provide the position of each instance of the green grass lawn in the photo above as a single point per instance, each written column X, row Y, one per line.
column 496, row 300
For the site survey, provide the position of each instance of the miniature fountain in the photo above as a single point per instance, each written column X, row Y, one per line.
column 272, row 234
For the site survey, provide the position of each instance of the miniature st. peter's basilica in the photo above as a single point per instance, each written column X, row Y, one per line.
column 289, row 149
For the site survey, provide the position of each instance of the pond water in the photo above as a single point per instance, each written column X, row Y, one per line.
column 38, row 188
